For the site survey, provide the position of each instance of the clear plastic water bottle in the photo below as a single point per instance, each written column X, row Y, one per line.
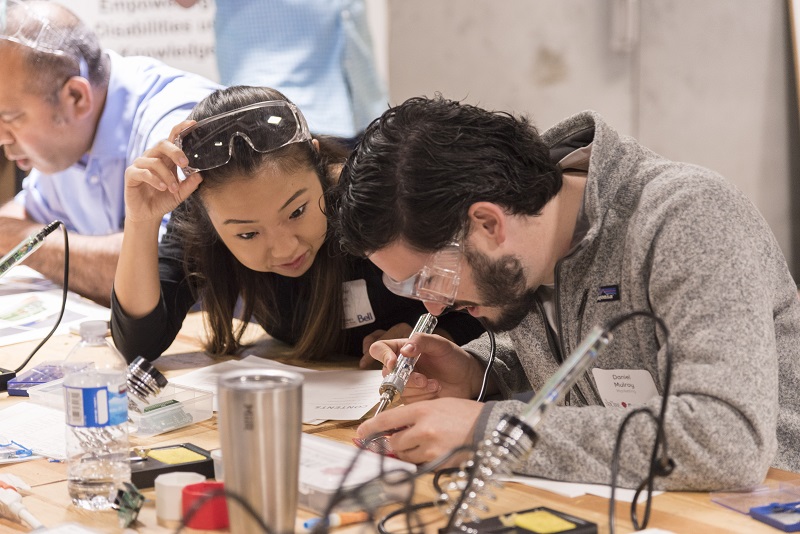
column 96, row 403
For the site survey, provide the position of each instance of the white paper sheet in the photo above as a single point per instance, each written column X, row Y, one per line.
column 15, row 460
column 69, row 528
column 41, row 429
column 323, row 463
column 29, row 306
column 338, row 395
column 572, row 489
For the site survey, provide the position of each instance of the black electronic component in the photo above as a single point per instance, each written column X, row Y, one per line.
column 146, row 466
column 531, row 521
column 5, row 376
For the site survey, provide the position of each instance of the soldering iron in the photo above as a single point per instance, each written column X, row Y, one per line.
column 395, row 382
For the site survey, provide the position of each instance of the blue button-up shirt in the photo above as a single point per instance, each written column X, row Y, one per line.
column 146, row 98
column 316, row 52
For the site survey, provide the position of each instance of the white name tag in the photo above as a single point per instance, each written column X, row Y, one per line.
column 357, row 308
column 624, row 388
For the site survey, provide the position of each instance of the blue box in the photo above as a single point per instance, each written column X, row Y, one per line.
column 40, row 374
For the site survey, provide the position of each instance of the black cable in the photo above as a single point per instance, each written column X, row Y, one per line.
column 439, row 474
column 65, row 288
column 665, row 465
column 663, row 468
column 405, row 477
column 409, row 508
column 341, row 494
column 381, row 526
column 401, row 476
column 658, row 467
column 424, row 469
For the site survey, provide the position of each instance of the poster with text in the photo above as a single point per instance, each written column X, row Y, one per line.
column 178, row 36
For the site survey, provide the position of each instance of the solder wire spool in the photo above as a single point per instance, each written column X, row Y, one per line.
column 144, row 380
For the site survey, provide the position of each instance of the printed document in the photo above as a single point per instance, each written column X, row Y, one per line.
column 339, row 395
column 29, row 306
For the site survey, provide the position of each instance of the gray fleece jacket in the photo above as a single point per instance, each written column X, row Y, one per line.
column 680, row 241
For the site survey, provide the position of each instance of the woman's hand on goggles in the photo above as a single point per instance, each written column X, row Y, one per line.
column 152, row 184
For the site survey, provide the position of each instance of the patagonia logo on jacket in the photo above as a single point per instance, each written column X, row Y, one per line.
column 608, row 293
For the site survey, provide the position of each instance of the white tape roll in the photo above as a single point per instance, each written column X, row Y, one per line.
column 168, row 493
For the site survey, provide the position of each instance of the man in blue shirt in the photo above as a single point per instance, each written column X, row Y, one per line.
column 76, row 116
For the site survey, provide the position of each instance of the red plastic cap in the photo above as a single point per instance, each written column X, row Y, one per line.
column 213, row 513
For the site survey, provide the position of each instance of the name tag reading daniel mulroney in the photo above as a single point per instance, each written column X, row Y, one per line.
column 624, row 388
column 357, row 308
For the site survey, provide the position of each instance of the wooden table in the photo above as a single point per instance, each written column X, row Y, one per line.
column 681, row 512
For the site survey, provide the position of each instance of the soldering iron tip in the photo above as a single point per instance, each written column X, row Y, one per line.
column 384, row 402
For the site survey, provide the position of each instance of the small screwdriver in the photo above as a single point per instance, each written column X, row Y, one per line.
column 395, row 382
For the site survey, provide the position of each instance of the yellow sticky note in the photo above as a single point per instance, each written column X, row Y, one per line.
column 542, row 522
column 175, row 455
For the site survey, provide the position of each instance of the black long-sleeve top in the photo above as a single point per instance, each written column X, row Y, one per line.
column 152, row 334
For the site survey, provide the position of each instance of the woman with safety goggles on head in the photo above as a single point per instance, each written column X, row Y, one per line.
column 248, row 224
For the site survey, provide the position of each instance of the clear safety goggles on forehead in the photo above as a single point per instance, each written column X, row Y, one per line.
column 437, row 281
column 265, row 126
column 25, row 24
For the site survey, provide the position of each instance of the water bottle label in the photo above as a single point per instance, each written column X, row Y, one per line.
column 96, row 407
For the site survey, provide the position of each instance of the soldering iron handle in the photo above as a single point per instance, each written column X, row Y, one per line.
column 27, row 247
column 398, row 378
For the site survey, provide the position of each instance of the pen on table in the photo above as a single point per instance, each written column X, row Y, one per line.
column 338, row 520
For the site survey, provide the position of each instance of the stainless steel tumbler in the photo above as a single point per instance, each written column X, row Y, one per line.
column 260, row 412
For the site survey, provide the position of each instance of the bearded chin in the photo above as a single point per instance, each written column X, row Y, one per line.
column 501, row 284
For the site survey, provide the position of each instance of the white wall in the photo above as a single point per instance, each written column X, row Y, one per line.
column 545, row 58
column 715, row 92
column 707, row 82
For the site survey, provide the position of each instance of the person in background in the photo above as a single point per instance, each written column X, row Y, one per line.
column 559, row 233
column 76, row 116
column 316, row 52
column 249, row 224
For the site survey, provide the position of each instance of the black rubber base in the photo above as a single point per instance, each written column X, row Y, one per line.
column 5, row 376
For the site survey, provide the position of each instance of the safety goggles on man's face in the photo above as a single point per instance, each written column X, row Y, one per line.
column 265, row 126
column 437, row 281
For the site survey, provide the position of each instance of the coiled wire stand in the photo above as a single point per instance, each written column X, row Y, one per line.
column 477, row 479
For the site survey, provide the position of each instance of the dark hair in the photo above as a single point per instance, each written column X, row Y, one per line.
column 421, row 165
column 220, row 276
column 76, row 43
